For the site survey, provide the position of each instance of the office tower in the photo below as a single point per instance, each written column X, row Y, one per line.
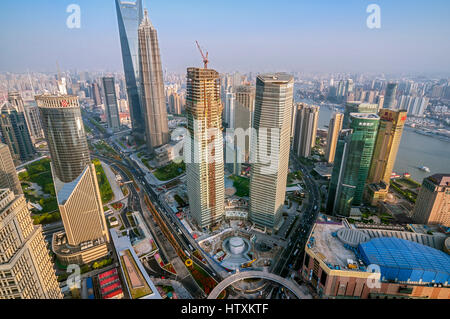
column 175, row 103
column 433, row 202
column 153, row 102
column 31, row 115
column 15, row 133
column 230, row 100
column 270, row 147
column 333, row 134
column 26, row 270
column 352, row 163
column 386, row 146
column 243, row 115
column 307, row 117
column 8, row 174
column 96, row 96
column 75, row 180
column 385, row 152
column 357, row 107
column 130, row 15
column 389, row 97
column 204, row 147
column 112, row 110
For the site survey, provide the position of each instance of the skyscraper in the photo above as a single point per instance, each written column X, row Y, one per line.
column 333, row 133
column 230, row 101
column 243, row 114
column 96, row 94
column 31, row 114
column 389, row 97
column 130, row 15
column 357, row 107
column 352, row 164
column 305, row 129
column 153, row 101
column 270, row 147
column 175, row 103
column 26, row 270
column 112, row 110
column 204, row 147
column 386, row 145
column 75, row 180
column 433, row 201
column 15, row 133
column 8, row 174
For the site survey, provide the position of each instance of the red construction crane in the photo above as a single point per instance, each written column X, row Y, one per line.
column 205, row 58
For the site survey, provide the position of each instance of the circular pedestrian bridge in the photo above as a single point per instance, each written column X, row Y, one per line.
column 250, row 274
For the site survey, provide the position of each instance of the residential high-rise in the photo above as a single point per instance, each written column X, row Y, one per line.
column 357, row 107
column 333, row 133
column 204, row 147
column 26, row 270
column 386, row 145
column 243, row 114
column 15, row 133
column 270, row 148
column 75, row 180
column 433, row 202
column 112, row 110
column 305, row 129
column 389, row 97
column 352, row 164
column 130, row 15
column 8, row 174
column 153, row 102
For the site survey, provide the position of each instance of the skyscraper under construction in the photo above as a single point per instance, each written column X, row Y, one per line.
column 204, row 147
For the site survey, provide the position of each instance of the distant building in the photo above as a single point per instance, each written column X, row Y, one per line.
column 15, row 133
column 305, row 129
column 112, row 110
column 230, row 100
column 333, row 133
column 433, row 202
column 175, row 103
column 390, row 95
column 96, row 96
column 31, row 115
column 273, row 107
column 352, row 163
column 243, row 114
column 86, row 233
column 26, row 270
column 204, row 147
column 8, row 174
column 152, row 87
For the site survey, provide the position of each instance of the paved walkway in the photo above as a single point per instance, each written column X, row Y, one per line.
column 181, row 292
column 118, row 194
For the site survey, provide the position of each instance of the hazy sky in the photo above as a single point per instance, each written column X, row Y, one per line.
column 245, row 35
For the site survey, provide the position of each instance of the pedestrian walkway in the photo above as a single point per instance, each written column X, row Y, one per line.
column 118, row 194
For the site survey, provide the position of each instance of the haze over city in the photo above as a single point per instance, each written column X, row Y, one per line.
column 253, row 35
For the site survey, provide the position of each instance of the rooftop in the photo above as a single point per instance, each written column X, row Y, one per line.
column 276, row 77
column 440, row 179
column 365, row 116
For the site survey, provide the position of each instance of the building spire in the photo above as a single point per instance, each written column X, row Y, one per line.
column 146, row 18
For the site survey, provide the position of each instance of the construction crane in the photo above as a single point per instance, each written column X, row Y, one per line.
column 205, row 57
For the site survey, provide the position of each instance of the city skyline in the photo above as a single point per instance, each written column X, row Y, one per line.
column 308, row 36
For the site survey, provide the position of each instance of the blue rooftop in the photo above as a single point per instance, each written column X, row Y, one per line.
column 404, row 260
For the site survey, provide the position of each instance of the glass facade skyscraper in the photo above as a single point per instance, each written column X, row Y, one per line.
column 112, row 109
column 352, row 164
column 130, row 15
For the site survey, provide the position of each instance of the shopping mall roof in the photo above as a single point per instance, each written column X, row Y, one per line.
column 404, row 260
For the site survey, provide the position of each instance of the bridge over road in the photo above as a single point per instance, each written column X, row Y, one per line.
column 292, row 286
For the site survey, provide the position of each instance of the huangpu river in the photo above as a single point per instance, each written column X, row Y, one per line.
column 415, row 150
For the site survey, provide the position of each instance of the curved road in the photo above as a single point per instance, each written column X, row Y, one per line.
column 293, row 287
